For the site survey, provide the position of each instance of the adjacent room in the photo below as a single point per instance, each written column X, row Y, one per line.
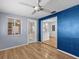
column 39, row 29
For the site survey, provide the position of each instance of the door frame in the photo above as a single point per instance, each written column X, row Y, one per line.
column 50, row 19
column 35, row 40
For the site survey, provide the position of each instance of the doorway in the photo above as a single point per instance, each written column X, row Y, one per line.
column 31, row 31
column 49, row 31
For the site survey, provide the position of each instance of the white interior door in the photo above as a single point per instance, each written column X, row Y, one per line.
column 31, row 31
column 45, row 31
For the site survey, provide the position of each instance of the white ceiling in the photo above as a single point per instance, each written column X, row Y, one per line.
column 14, row 6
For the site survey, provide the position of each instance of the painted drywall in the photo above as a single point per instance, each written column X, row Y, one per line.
column 7, row 41
column 68, row 33
column 68, row 29
column 52, row 33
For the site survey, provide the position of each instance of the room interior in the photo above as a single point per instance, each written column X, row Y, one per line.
column 39, row 29
column 49, row 31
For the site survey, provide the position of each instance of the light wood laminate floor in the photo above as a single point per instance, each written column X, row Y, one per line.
column 51, row 42
column 33, row 51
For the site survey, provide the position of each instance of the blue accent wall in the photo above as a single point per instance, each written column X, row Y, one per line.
column 39, row 30
column 68, row 29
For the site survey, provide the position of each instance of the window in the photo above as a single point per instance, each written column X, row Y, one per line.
column 14, row 26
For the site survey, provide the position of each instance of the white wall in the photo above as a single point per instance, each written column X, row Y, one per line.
column 7, row 41
column 53, row 33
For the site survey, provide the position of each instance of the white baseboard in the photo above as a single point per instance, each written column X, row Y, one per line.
column 13, row 47
column 68, row 54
